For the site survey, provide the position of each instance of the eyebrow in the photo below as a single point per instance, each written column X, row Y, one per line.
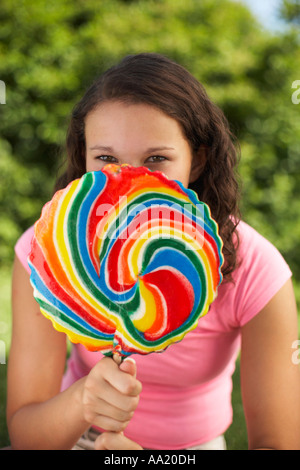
column 101, row 147
column 159, row 149
column 149, row 150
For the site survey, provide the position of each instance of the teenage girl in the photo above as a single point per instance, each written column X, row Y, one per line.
column 149, row 111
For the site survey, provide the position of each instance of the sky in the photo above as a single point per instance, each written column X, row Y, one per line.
column 265, row 11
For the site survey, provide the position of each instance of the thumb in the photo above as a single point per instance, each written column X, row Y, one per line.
column 128, row 366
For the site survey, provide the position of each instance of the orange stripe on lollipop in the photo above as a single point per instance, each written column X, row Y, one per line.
column 46, row 242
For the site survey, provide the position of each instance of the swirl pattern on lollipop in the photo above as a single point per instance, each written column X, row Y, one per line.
column 125, row 260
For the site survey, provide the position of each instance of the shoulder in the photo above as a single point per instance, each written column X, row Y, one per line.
column 261, row 273
column 23, row 246
column 256, row 253
column 251, row 239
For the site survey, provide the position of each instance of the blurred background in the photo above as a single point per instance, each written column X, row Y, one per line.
column 247, row 55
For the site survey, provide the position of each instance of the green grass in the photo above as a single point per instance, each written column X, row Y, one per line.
column 236, row 436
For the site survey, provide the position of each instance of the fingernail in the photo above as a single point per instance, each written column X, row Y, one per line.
column 129, row 359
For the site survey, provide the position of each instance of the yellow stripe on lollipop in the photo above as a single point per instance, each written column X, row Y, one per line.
column 60, row 219
column 60, row 230
column 148, row 316
column 135, row 258
column 91, row 343
column 141, row 348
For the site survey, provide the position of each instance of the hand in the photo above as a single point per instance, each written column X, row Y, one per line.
column 115, row 441
column 111, row 395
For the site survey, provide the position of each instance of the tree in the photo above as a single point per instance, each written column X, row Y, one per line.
column 290, row 11
column 50, row 52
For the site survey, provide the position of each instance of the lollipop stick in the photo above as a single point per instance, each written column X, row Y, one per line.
column 117, row 358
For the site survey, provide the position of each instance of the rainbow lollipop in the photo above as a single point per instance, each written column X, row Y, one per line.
column 125, row 260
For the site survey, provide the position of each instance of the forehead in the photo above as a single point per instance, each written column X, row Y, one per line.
column 117, row 118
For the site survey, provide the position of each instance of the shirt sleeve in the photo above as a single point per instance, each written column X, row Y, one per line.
column 23, row 247
column 263, row 271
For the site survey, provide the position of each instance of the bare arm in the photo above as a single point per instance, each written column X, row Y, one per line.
column 38, row 415
column 35, row 408
column 269, row 378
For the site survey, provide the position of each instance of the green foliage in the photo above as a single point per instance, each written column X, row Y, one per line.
column 290, row 10
column 5, row 333
column 50, row 52
column 4, row 438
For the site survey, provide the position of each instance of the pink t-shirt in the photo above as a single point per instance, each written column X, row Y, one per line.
column 186, row 396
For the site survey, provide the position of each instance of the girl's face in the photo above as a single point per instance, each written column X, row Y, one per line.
column 139, row 135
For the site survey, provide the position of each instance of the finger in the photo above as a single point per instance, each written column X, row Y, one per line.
column 115, row 441
column 113, row 397
column 123, row 377
column 112, row 417
column 128, row 366
column 108, row 371
column 110, row 404
column 115, row 412
column 110, row 424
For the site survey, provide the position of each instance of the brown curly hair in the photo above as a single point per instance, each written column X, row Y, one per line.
column 158, row 81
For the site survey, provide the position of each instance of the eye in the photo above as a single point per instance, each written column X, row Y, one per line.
column 106, row 158
column 156, row 159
